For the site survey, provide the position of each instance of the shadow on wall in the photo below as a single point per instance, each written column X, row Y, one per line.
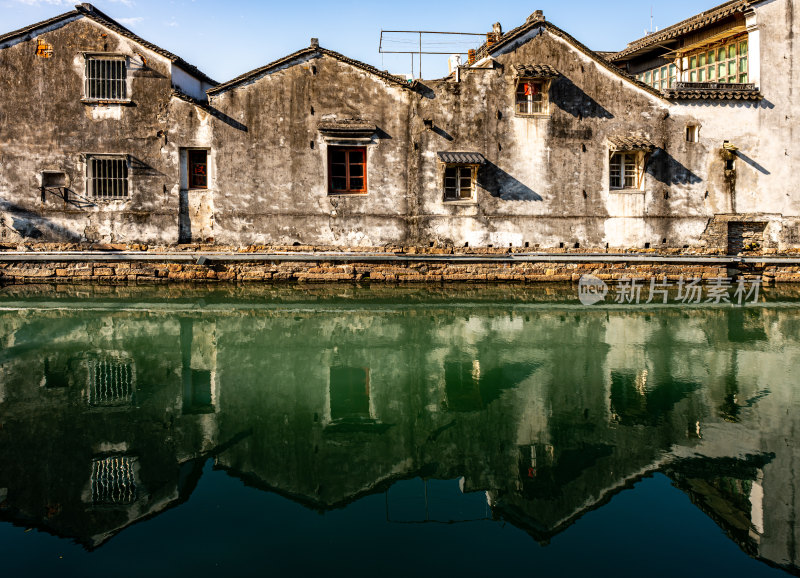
column 502, row 185
column 574, row 101
column 752, row 163
column 29, row 225
column 664, row 168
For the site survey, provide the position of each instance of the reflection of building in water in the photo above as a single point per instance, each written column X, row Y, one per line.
column 548, row 413
column 101, row 415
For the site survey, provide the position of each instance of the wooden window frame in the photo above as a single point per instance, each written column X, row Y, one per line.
column 631, row 165
column 705, row 65
column 190, row 165
column 348, row 190
column 458, row 189
column 528, row 101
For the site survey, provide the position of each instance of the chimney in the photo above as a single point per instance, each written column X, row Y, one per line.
column 315, row 43
column 471, row 57
column 497, row 29
column 537, row 16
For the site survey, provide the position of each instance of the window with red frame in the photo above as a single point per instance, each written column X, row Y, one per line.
column 347, row 170
column 198, row 169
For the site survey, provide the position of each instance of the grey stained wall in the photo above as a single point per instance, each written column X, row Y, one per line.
column 44, row 126
column 545, row 182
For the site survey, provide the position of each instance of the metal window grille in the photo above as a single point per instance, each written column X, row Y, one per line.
column 108, row 177
column 113, row 481
column 458, row 183
column 106, row 79
column 110, row 383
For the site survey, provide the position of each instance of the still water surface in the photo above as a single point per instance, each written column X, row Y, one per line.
column 395, row 432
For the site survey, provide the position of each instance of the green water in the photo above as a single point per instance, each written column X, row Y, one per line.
column 395, row 432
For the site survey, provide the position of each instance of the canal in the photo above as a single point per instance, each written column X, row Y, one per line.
column 393, row 431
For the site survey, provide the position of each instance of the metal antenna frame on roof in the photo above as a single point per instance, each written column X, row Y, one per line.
column 420, row 52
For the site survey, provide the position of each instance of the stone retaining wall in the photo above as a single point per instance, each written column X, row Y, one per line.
column 394, row 272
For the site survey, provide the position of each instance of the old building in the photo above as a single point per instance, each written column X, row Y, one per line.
column 682, row 139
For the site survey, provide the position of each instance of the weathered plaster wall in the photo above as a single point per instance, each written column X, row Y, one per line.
column 44, row 126
column 272, row 160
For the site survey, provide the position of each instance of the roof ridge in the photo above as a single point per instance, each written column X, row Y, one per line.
column 721, row 10
column 314, row 49
column 89, row 11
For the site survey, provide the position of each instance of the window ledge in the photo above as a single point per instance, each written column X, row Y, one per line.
column 364, row 194
column 101, row 102
column 460, row 202
column 628, row 191
column 533, row 115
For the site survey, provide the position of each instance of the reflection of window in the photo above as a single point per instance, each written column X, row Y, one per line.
column 347, row 169
column 350, row 396
column 198, row 169
column 626, row 170
column 107, row 177
column 459, row 182
column 110, row 382
column 197, row 398
column 113, row 481
column 56, row 373
column 727, row 63
column 531, row 97
column 106, row 78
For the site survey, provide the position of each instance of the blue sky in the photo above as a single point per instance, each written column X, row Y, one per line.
column 228, row 38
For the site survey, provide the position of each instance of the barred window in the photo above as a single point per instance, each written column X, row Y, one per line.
column 106, row 78
column 113, row 481
column 107, row 177
column 110, row 382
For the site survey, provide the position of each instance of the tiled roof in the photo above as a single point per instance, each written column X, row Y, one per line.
column 694, row 23
column 461, row 158
column 310, row 51
column 536, row 71
column 96, row 15
column 712, row 94
column 631, row 143
column 519, row 31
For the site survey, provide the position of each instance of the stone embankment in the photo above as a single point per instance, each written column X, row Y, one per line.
column 119, row 264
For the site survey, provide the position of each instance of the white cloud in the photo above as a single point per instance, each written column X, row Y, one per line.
column 129, row 21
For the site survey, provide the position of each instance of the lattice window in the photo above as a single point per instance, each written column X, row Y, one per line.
column 107, row 177
column 111, row 383
column 106, row 78
column 113, row 481
column 727, row 63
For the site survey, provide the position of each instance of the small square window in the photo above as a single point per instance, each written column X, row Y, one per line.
column 459, row 182
column 692, row 133
column 531, row 97
column 106, row 78
column 347, row 170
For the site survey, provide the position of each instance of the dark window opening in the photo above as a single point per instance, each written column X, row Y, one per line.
column 198, row 169
column 350, row 394
column 347, row 170
column 197, row 397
